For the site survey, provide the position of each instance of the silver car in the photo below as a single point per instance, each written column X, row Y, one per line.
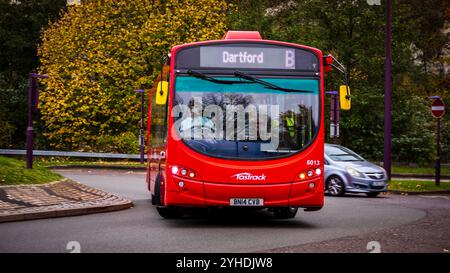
column 346, row 171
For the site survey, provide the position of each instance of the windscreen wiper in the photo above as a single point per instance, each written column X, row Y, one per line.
column 200, row 75
column 247, row 77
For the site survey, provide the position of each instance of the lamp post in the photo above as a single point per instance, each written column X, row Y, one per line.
column 141, row 125
column 387, row 92
column 32, row 107
column 334, row 115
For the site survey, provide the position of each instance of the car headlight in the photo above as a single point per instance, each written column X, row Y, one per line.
column 354, row 172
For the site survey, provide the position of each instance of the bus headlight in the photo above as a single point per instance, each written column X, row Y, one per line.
column 181, row 171
column 309, row 174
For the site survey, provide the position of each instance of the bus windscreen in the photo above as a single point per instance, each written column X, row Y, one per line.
column 246, row 120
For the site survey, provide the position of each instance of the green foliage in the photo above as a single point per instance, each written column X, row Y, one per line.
column 13, row 172
column 100, row 51
column 353, row 31
column 126, row 142
column 445, row 169
column 20, row 28
column 413, row 131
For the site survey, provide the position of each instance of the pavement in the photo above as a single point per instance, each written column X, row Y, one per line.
column 345, row 224
column 57, row 199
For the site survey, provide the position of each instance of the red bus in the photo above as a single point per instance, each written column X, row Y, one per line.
column 237, row 122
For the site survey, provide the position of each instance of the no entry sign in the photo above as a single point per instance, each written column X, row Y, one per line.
column 438, row 108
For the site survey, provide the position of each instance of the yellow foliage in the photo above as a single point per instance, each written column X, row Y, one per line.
column 102, row 50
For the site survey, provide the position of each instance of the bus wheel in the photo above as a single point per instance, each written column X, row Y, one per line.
column 285, row 212
column 335, row 186
column 169, row 212
column 156, row 197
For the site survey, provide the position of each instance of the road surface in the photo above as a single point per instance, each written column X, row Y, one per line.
column 141, row 229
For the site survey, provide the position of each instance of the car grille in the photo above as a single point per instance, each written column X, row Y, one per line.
column 377, row 176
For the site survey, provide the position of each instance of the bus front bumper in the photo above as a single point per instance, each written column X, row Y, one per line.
column 207, row 194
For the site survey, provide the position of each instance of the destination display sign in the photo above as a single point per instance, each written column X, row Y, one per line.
column 247, row 56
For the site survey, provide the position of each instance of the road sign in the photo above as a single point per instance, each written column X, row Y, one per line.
column 438, row 108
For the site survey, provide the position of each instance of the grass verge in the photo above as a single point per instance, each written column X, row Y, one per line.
column 14, row 172
column 419, row 170
column 417, row 186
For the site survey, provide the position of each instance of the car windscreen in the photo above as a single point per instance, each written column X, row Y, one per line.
column 338, row 153
column 246, row 119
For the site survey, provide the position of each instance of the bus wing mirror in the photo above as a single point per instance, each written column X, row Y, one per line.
column 161, row 92
column 344, row 97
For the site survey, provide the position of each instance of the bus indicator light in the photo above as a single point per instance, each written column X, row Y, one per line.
column 302, row 176
column 191, row 174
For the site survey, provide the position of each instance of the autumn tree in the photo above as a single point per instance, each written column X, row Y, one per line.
column 100, row 51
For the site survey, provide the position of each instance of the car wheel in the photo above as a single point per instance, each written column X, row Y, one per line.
column 285, row 212
column 169, row 212
column 372, row 194
column 335, row 186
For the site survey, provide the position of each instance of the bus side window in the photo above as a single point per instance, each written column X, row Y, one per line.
column 157, row 130
column 166, row 114
column 159, row 113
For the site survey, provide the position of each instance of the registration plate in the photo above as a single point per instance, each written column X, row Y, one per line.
column 380, row 183
column 246, row 202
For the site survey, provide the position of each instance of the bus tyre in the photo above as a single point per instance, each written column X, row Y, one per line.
column 157, row 196
column 372, row 194
column 335, row 186
column 169, row 212
column 285, row 212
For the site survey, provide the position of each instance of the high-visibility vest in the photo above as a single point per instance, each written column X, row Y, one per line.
column 290, row 124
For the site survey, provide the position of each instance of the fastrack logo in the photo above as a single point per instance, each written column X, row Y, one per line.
column 249, row 176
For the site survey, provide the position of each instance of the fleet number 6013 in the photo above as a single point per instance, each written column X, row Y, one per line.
column 312, row 162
